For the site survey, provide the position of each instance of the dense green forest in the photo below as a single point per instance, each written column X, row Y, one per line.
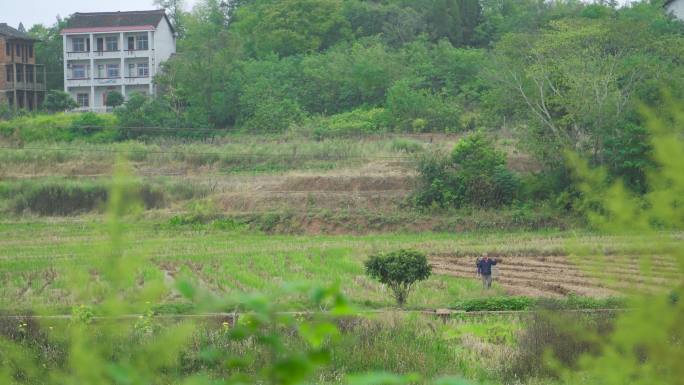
column 558, row 75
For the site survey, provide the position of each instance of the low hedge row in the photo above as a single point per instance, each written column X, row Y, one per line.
column 526, row 303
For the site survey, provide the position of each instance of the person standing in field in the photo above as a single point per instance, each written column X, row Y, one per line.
column 484, row 270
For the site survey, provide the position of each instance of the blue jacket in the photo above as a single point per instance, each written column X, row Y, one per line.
column 485, row 267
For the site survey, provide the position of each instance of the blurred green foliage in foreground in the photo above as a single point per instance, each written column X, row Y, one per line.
column 647, row 344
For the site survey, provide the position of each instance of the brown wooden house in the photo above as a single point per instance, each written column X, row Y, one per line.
column 22, row 81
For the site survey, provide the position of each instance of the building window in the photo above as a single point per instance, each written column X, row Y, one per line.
column 9, row 71
column 78, row 71
column 8, row 49
column 112, row 71
column 142, row 42
column 131, row 43
column 143, row 70
column 78, row 44
column 83, row 100
column 131, row 70
column 30, row 50
column 112, row 43
column 100, row 71
column 20, row 73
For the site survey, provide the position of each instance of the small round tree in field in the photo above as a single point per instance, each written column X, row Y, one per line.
column 399, row 270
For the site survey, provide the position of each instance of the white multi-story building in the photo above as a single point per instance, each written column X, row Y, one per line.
column 675, row 7
column 114, row 51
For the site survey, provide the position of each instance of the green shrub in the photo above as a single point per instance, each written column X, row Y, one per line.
column 59, row 198
column 352, row 123
column 506, row 186
column 420, row 110
column 399, row 270
column 200, row 223
column 115, row 99
column 39, row 127
column 228, row 224
column 152, row 196
column 184, row 221
column 407, row 146
column 140, row 112
column 571, row 302
column 574, row 302
column 62, row 127
column 87, row 123
column 59, row 101
column 628, row 154
column 437, row 185
column 496, row 304
column 273, row 115
column 474, row 174
column 482, row 170
column 6, row 113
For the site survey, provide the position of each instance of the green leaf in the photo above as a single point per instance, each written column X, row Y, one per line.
column 186, row 289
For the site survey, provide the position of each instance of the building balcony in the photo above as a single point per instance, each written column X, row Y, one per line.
column 107, row 54
column 25, row 86
column 137, row 80
column 99, row 110
column 134, row 53
column 87, row 82
column 129, row 80
column 35, row 87
column 86, row 55
column 78, row 82
column 77, row 55
column 107, row 81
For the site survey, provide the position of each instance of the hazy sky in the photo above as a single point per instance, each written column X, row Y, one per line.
column 32, row 12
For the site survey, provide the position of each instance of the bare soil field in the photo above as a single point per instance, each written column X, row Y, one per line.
column 558, row 276
column 362, row 189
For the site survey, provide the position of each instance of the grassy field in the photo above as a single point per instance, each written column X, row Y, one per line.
column 391, row 342
column 286, row 183
column 237, row 215
column 225, row 154
column 40, row 256
column 36, row 257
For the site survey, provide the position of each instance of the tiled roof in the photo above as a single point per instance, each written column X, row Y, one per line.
column 13, row 33
column 115, row 19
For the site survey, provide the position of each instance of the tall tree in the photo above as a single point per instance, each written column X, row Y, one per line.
column 577, row 84
column 49, row 52
column 289, row 27
column 174, row 11
column 454, row 20
column 200, row 74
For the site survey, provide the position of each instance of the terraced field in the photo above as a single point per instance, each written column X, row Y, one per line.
column 36, row 258
column 250, row 173
column 333, row 202
column 555, row 276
